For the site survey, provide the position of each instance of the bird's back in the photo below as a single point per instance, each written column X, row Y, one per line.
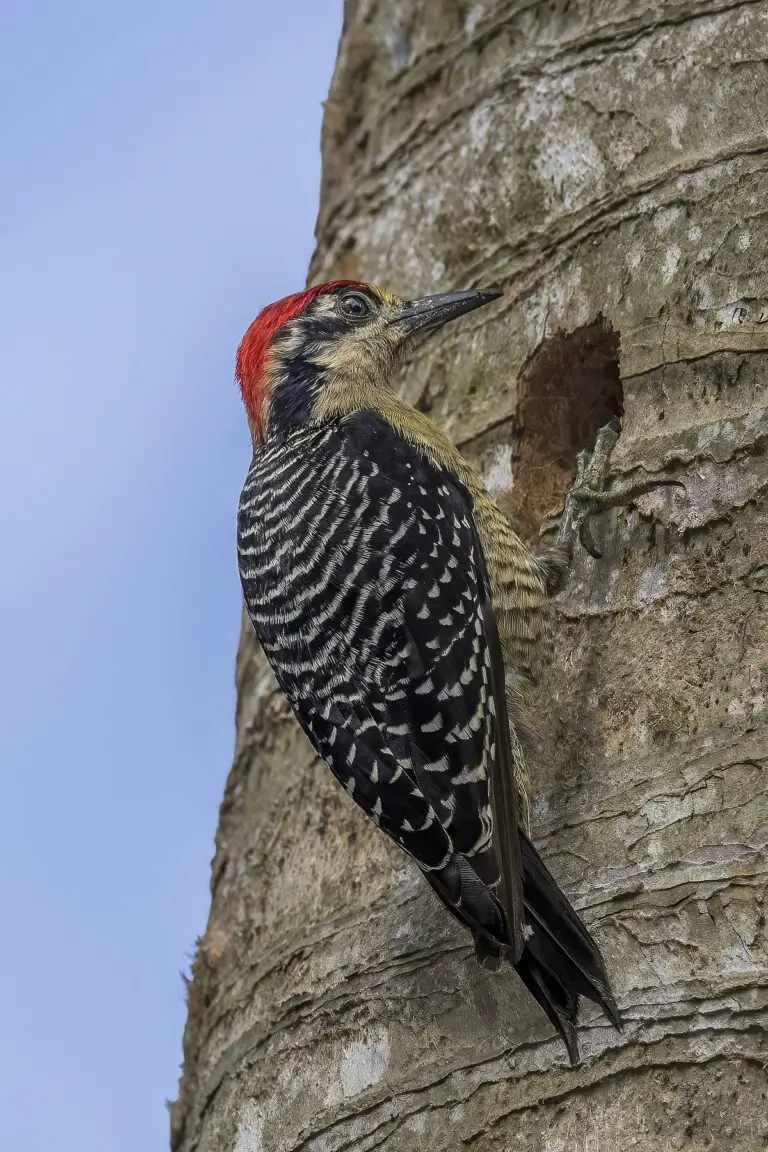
column 312, row 581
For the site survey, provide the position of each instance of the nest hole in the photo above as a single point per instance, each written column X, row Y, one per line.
column 567, row 391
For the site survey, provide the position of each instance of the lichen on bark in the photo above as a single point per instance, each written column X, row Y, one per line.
column 597, row 160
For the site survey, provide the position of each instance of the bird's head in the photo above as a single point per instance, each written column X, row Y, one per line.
column 322, row 352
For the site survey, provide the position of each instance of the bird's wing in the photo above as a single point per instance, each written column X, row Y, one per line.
column 416, row 728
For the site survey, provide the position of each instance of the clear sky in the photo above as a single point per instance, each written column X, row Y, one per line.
column 160, row 170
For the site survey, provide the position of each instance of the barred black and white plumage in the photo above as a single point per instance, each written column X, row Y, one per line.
column 371, row 588
column 370, row 607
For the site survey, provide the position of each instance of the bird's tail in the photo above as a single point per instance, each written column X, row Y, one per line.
column 560, row 960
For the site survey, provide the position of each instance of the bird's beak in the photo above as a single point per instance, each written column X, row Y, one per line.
column 431, row 311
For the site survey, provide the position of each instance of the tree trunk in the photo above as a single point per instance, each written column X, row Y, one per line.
column 607, row 163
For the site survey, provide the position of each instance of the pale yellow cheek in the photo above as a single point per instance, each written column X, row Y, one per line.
column 368, row 351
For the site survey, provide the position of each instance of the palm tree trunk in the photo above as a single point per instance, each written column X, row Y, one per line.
column 608, row 165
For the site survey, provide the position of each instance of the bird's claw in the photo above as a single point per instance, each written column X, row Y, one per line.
column 588, row 495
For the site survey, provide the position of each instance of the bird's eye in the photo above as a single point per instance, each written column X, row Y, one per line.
column 354, row 306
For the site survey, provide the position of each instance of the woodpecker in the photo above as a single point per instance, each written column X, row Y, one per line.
column 399, row 612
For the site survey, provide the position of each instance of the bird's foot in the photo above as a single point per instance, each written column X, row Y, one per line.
column 589, row 496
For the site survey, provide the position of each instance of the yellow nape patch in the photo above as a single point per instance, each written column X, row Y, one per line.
column 388, row 298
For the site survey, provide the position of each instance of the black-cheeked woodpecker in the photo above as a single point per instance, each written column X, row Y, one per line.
column 399, row 611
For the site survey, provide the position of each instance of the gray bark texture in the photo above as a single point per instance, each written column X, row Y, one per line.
column 607, row 163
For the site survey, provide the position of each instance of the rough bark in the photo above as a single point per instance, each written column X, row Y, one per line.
column 599, row 160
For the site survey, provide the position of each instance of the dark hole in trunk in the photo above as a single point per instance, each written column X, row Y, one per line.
column 567, row 391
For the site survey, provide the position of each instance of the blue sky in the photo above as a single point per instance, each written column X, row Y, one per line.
column 160, row 181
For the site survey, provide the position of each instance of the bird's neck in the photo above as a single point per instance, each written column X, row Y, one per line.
column 295, row 383
column 302, row 391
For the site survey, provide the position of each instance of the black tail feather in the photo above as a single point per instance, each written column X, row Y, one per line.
column 559, row 1004
column 560, row 942
column 560, row 961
